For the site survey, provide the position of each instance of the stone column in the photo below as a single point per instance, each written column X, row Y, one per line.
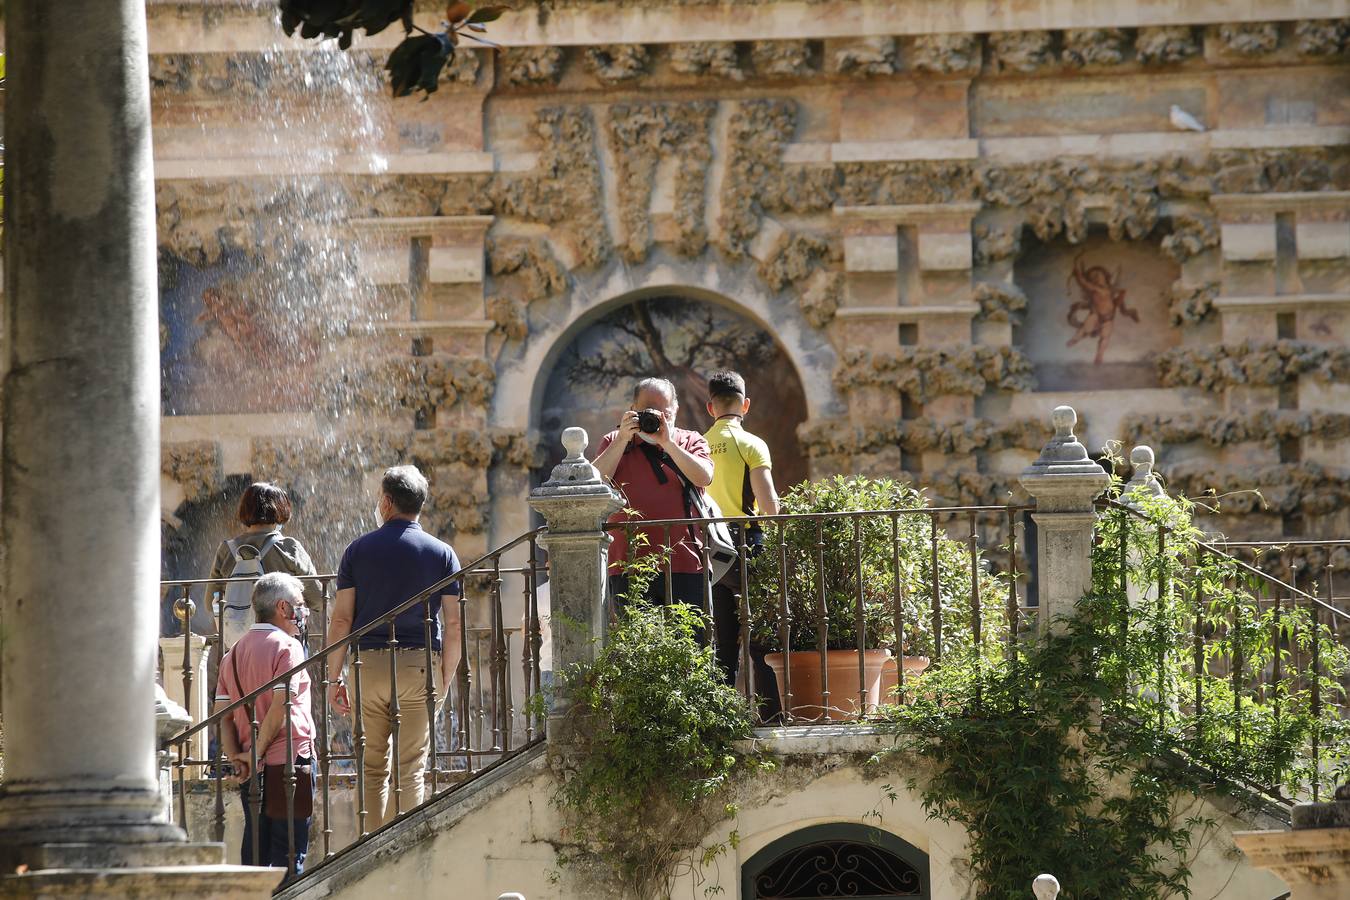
column 1313, row 857
column 1064, row 482
column 575, row 502
column 80, row 514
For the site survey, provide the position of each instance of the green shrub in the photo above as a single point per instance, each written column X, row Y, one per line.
column 837, row 558
column 654, row 731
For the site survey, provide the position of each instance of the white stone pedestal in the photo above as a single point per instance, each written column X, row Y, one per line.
column 1064, row 482
column 575, row 502
column 194, row 695
column 1314, row 862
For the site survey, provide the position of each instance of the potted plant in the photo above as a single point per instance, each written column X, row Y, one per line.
column 856, row 550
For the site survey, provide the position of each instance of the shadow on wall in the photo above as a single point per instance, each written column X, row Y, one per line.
column 686, row 341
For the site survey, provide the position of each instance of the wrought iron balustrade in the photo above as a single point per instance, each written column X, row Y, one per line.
column 932, row 578
column 490, row 725
column 1239, row 638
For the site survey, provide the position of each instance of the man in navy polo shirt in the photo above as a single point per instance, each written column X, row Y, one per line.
column 379, row 572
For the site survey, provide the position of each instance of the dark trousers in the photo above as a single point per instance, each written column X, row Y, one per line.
column 685, row 587
column 273, row 845
column 727, row 623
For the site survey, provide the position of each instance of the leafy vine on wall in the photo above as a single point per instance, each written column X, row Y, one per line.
column 1054, row 759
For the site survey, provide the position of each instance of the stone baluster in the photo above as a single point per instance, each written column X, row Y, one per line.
column 1313, row 857
column 575, row 502
column 1142, row 480
column 1064, row 481
column 1045, row 887
column 170, row 719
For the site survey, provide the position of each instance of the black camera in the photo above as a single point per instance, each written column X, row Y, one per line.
column 649, row 421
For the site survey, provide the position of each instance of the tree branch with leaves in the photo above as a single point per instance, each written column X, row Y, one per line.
column 417, row 62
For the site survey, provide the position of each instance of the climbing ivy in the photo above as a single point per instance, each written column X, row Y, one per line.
column 652, row 749
column 1086, row 754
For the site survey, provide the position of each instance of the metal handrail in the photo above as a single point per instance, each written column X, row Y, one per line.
column 386, row 619
column 1328, row 624
column 499, row 695
column 1212, row 547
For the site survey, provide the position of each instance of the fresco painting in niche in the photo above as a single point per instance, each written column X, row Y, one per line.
column 227, row 345
column 1096, row 312
column 686, row 341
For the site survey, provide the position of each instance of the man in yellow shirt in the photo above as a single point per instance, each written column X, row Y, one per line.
column 742, row 485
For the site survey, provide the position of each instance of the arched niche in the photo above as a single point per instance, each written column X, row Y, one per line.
column 836, row 860
column 587, row 379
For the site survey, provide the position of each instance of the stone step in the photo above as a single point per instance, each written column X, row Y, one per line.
column 123, row 856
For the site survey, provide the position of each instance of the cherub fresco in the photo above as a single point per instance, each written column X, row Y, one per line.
column 1101, row 298
column 232, row 315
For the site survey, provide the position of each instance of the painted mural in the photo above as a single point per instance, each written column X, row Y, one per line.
column 229, row 345
column 686, row 341
column 1096, row 313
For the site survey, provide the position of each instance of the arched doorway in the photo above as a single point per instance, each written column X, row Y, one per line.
column 685, row 340
column 839, row 859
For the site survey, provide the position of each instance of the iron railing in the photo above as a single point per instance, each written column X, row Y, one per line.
column 490, row 724
column 833, row 584
column 1235, row 637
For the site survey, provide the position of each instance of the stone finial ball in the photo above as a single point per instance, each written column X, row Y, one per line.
column 1045, row 887
column 1142, row 455
column 1064, row 418
column 575, row 441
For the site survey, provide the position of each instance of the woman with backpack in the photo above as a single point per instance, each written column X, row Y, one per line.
column 259, row 549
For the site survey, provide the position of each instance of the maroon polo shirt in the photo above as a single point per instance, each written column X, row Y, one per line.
column 654, row 500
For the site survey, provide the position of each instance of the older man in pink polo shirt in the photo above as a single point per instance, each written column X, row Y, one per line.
column 267, row 650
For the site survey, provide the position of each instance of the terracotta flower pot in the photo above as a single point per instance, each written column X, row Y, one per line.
column 803, row 669
column 890, row 676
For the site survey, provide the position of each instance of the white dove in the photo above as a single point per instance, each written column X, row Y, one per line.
column 1182, row 120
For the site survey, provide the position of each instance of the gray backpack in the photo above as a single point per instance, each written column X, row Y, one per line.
column 238, row 600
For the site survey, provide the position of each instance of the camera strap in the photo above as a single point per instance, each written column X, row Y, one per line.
column 657, row 458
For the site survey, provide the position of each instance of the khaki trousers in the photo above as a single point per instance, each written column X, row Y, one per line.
column 414, row 734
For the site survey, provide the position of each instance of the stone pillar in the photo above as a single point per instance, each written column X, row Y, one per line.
column 1313, row 857
column 80, row 514
column 1064, row 482
column 575, row 502
column 80, row 808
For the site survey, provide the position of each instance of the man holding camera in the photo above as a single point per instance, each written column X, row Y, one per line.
column 654, row 463
column 742, row 486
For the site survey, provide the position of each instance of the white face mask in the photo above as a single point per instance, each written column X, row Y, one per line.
column 379, row 519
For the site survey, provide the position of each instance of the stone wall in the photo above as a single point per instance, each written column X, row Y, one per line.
column 950, row 224
column 504, row 835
